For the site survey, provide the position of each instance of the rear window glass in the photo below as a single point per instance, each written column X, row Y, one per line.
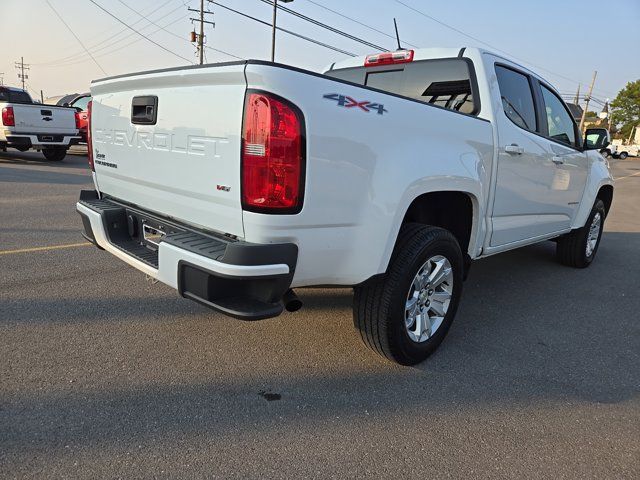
column 442, row 82
column 12, row 96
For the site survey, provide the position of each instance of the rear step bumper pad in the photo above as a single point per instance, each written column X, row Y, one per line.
column 243, row 280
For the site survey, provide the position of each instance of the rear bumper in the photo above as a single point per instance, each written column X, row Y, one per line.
column 30, row 140
column 240, row 279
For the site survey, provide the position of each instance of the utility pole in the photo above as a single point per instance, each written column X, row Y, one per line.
column 577, row 99
column 587, row 98
column 273, row 28
column 22, row 67
column 199, row 38
column 631, row 134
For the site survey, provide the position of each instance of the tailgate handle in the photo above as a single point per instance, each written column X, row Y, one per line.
column 46, row 113
column 144, row 110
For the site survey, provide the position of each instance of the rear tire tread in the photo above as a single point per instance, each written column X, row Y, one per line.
column 373, row 298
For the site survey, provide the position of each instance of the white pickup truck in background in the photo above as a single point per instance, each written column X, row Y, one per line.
column 27, row 125
column 617, row 149
column 236, row 182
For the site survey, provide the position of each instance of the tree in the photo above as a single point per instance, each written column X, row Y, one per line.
column 626, row 108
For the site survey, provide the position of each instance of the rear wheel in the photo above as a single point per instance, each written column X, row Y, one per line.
column 405, row 314
column 578, row 248
column 623, row 155
column 54, row 154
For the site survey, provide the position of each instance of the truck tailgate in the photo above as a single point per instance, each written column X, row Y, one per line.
column 169, row 142
column 38, row 118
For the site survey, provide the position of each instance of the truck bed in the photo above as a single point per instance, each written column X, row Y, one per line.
column 185, row 164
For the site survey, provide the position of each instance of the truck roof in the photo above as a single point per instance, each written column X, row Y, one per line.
column 7, row 88
column 432, row 53
column 418, row 54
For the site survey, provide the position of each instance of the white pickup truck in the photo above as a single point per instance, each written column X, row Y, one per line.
column 236, row 182
column 27, row 125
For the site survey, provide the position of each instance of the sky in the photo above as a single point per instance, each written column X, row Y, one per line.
column 562, row 40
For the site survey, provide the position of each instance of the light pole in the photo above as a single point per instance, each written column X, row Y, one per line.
column 273, row 31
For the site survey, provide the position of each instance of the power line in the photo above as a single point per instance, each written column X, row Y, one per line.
column 178, row 36
column 103, row 44
column 325, row 26
column 76, row 37
column 361, row 23
column 114, row 50
column 488, row 44
column 326, row 45
column 141, row 34
column 135, row 40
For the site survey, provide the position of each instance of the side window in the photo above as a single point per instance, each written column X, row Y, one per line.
column 82, row 103
column 561, row 126
column 517, row 98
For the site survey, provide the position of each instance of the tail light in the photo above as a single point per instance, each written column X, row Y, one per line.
column 389, row 58
column 78, row 120
column 89, row 142
column 273, row 155
column 8, row 118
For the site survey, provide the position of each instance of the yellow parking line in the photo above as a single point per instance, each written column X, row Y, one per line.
column 627, row 176
column 43, row 249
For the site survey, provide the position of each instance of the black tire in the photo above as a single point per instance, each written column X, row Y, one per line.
column 54, row 154
column 623, row 156
column 571, row 249
column 379, row 303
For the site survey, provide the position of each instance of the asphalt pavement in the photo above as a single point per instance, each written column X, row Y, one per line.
column 106, row 375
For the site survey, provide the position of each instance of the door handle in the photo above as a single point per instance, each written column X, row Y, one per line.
column 557, row 160
column 514, row 149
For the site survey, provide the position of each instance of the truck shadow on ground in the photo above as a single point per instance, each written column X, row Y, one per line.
column 22, row 176
column 72, row 160
column 528, row 332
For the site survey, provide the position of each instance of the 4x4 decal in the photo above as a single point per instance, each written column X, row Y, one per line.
column 348, row 102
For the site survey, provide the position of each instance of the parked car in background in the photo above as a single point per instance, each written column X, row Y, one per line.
column 79, row 101
column 389, row 173
column 618, row 150
column 25, row 125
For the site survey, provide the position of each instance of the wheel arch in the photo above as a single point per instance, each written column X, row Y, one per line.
column 600, row 185
column 605, row 193
column 457, row 211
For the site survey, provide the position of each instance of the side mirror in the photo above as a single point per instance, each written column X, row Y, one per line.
column 596, row 139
